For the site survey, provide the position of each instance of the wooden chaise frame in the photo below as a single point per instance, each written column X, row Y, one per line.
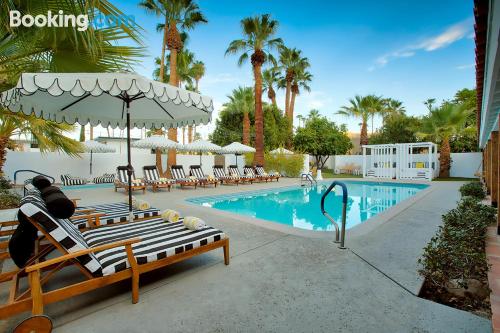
column 119, row 184
column 154, row 185
column 255, row 177
column 228, row 180
column 241, row 178
column 183, row 183
column 35, row 298
column 203, row 182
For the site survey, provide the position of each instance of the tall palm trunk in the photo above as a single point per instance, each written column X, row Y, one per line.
column 190, row 133
column 163, row 50
column 4, row 141
column 271, row 94
column 444, row 158
column 91, row 132
column 257, row 60
column 82, row 133
column 292, row 102
column 174, row 44
column 287, row 97
column 246, row 129
column 363, row 138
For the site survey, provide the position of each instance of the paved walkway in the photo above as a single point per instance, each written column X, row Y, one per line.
column 493, row 255
column 280, row 280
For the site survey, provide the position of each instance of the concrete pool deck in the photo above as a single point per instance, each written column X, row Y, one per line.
column 279, row 279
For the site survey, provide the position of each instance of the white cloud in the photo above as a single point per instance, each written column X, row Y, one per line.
column 451, row 35
column 465, row 66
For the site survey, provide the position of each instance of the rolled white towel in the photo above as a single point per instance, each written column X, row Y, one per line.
column 170, row 215
column 194, row 223
column 141, row 205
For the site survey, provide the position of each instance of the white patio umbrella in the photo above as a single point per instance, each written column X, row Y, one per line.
column 92, row 147
column 121, row 100
column 281, row 150
column 237, row 149
column 201, row 146
column 156, row 142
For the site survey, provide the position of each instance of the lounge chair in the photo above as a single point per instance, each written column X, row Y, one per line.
column 152, row 178
column 233, row 170
column 103, row 256
column 107, row 178
column 249, row 170
column 259, row 170
column 122, row 181
column 180, row 178
column 68, row 180
column 197, row 171
column 223, row 177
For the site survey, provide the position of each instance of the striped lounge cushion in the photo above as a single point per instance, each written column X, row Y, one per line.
column 115, row 213
column 260, row 171
column 233, row 170
column 249, row 171
column 70, row 180
column 123, row 177
column 104, row 179
column 178, row 173
column 62, row 230
column 152, row 176
column 158, row 240
column 220, row 174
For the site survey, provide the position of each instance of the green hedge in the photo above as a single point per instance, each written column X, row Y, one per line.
column 473, row 189
column 9, row 199
column 285, row 164
column 457, row 252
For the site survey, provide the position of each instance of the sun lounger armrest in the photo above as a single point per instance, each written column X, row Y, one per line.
column 81, row 211
column 75, row 201
column 8, row 223
column 125, row 242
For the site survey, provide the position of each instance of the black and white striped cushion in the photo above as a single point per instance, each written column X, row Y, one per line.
column 123, row 178
column 233, row 170
column 178, row 173
column 62, row 230
column 115, row 213
column 250, row 172
column 220, row 174
column 159, row 240
column 151, row 175
column 104, row 179
column 197, row 172
column 68, row 180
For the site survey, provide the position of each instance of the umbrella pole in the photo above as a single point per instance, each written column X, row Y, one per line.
column 200, row 159
column 129, row 165
column 91, row 163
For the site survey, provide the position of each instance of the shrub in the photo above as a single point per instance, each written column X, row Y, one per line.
column 9, row 199
column 289, row 165
column 4, row 183
column 456, row 254
column 473, row 189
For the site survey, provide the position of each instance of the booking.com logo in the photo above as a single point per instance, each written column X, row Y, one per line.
column 81, row 22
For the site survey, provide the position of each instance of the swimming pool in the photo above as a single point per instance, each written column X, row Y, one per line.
column 300, row 206
column 87, row 186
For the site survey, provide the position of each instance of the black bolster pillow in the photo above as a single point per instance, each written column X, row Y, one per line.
column 40, row 182
column 49, row 190
column 22, row 242
column 59, row 205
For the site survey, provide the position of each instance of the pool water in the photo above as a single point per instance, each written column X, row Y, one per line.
column 87, row 186
column 300, row 206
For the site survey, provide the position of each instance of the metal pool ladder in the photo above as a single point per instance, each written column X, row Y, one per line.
column 338, row 238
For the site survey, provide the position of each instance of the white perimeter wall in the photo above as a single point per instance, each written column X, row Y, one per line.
column 56, row 164
column 463, row 164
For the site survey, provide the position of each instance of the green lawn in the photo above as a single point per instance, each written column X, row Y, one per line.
column 455, row 179
column 329, row 174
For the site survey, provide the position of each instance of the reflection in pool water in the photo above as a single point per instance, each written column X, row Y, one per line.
column 300, row 206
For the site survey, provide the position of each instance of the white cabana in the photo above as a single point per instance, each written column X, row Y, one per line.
column 201, row 146
column 281, row 150
column 236, row 148
column 401, row 161
column 123, row 100
column 92, row 147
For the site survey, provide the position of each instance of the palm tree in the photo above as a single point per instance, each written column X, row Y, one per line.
column 291, row 61
column 440, row 126
column 185, row 61
column 301, row 80
column 49, row 135
column 242, row 100
column 358, row 108
column 258, row 41
column 269, row 78
column 429, row 103
column 183, row 14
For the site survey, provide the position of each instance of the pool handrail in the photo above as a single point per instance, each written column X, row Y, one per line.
column 33, row 171
column 338, row 239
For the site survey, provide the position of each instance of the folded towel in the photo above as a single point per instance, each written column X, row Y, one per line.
column 163, row 179
column 136, row 181
column 141, row 205
column 210, row 177
column 192, row 178
column 170, row 215
column 194, row 223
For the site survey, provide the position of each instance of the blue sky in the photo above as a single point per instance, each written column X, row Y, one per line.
column 408, row 50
